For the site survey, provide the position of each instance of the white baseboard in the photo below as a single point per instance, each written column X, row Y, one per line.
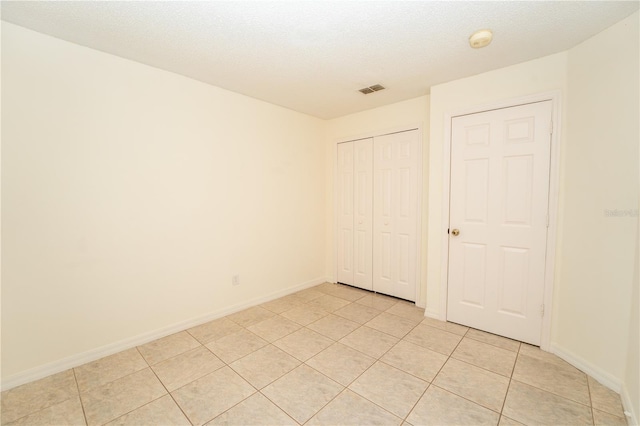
column 601, row 376
column 431, row 314
column 633, row 417
column 597, row 373
column 48, row 369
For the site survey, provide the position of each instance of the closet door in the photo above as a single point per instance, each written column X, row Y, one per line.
column 344, row 186
column 395, row 201
column 363, row 213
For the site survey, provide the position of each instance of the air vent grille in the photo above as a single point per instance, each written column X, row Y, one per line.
column 371, row 89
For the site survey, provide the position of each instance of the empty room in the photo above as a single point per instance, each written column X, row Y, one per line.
column 320, row 213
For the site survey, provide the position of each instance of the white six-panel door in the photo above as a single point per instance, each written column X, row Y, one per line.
column 395, row 171
column 499, row 208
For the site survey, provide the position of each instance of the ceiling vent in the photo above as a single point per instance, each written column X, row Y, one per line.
column 371, row 89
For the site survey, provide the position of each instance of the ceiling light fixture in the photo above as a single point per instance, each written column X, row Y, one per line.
column 480, row 39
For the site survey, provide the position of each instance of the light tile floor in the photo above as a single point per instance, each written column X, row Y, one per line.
column 328, row 355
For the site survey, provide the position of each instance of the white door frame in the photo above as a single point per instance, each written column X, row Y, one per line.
column 373, row 134
column 554, row 187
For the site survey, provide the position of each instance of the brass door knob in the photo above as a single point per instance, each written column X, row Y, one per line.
column 455, row 232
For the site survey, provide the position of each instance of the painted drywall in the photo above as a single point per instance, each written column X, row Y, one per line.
column 631, row 379
column 131, row 195
column 0, row 204
column 413, row 112
column 594, row 285
column 537, row 76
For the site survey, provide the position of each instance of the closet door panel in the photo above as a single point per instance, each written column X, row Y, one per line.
column 345, row 207
column 395, row 214
column 363, row 213
column 383, row 210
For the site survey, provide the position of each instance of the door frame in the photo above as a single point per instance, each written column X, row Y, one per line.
column 554, row 189
column 419, row 153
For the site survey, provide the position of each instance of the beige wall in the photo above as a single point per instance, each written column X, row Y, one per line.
column 631, row 382
column 366, row 124
column 597, row 310
column 591, row 316
column 131, row 195
column 631, row 379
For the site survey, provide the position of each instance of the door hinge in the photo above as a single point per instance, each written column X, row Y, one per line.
column 542, row 310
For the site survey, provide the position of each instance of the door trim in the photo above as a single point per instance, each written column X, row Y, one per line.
column 554, row 187
column 420, row 187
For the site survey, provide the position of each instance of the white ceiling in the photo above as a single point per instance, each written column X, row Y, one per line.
column 313, row 56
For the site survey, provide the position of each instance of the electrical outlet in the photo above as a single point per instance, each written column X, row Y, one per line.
column 235, row 280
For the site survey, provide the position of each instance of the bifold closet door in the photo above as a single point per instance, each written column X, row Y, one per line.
column 395, row 198
column 344, row 186
column 363, row 214
column 355, row 211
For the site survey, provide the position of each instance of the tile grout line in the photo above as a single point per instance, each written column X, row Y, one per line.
column 344, row 388
column 130, row 374
column 278, row 378
column 429, row 383
column 165, row 388
column 92, row 389
column 506, row 395
column 480, row 367
column 234, row 405
column 186, row 384
column 170, row 396
column 75, row 379
column 279, row 407
column 305, row 362
column 434, row 376
column 378, row 359
column 305, row 326
column 405, row 419
column 328, row 402
column 593, row 417
column 368, row 355
column 176, row 355
column 269, row 343
column 31, row 413
column 553, row 392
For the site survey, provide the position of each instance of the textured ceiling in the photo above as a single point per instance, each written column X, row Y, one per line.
column 313, row 56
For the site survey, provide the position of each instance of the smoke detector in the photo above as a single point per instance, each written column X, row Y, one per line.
column 480, row 39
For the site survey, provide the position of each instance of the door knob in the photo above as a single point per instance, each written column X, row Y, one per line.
column 455, row 232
